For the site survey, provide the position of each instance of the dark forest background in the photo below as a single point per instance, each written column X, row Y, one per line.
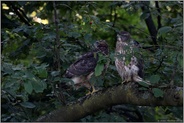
column 39, row 40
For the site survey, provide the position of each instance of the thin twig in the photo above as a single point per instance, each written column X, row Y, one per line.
column 57, row 49
column 159, row 66
column 58, row 93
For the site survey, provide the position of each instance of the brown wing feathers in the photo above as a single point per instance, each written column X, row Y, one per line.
column 84, row 65
column 87, row 62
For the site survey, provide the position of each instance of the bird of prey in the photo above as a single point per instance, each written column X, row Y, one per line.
column 82, row 69
column 128, row 65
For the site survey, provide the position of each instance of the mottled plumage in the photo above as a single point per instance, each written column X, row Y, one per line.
column 82, row 69
column 129, row 66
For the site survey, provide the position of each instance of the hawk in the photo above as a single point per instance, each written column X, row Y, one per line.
column 82, row 69
column 129, row 66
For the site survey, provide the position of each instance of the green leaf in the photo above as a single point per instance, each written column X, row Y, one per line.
column 164, row 30
column 28, row 87
column 16, row 68
column 28, row 75
column 74, row 34
column 38, row 85
column 42, row 73
column 42, row 70
column 98, row 69
column 112, row 55
column 87, row 38
column 143, row 84
column 143, row 88
column 55, row 73
column 154, row 79
column 157, row 92
column 27, row 105
column 56, row 79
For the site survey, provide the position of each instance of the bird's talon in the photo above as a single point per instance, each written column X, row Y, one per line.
column 93, row 91
column 89, row 93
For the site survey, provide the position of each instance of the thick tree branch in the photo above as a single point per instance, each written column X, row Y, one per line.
column 150, row 24
column 132, row 115
column 158, row 17
column 122, row 94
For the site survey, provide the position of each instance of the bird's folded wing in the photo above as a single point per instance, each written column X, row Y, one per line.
column 83, row 66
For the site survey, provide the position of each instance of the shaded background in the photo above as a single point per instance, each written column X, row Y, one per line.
column 39, row 40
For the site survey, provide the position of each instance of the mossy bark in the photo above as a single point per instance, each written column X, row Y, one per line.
column 122, row 94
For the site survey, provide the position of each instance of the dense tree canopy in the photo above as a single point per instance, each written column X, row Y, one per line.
column 39, row 40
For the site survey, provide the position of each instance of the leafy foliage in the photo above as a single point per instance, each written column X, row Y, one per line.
column 34, row 60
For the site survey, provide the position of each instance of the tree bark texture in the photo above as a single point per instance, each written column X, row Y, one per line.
column 122, row 94
column 150, row 24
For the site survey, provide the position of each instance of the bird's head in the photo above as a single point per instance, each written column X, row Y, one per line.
column 102, row 46
column 123, row 36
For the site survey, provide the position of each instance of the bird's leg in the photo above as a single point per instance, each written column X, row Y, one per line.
column 92, row 89
column 128, row 77
column 126, row 80
column 123, row 81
